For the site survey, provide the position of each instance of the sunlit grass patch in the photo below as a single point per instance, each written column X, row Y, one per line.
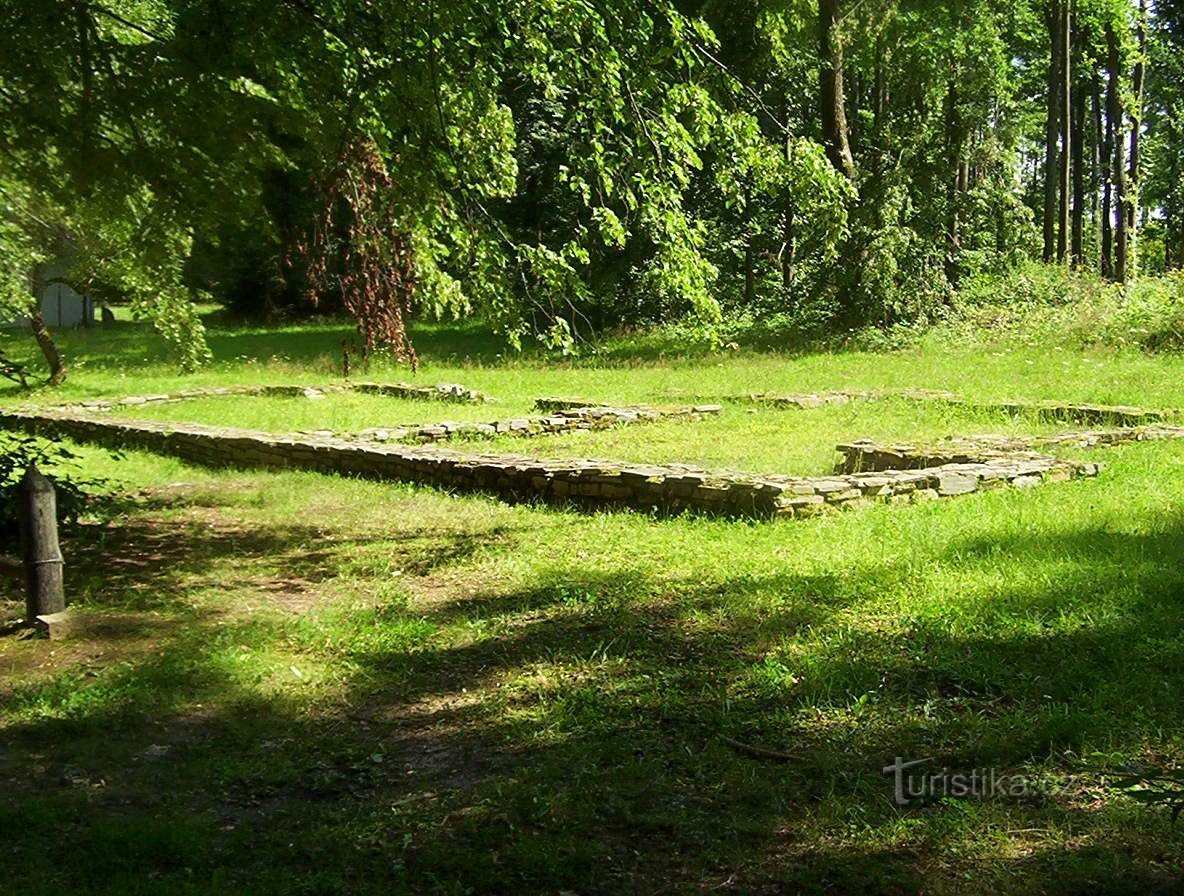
column 340, row 412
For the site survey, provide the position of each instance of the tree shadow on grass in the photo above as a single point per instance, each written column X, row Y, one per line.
column 445, row 344
column 573, row 742
column 153, row 563
column 129, row 345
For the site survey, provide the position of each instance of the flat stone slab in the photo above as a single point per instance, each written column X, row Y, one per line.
column 585, row 406
column 57, row 626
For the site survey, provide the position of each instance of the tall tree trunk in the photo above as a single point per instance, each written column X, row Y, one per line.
column 1171, row 217
column 86, row 119
column 1064, row 82
column 1077, row 145
column 852, row 96
column 1114, row 111
column 1169, row 228
column 1050, row 131
column 1132, row 186
column 57, row 366
column 1106, row 152
column 749, row 249
column 1096, row 176
column 955, row 183
column 835, row 133
column 788, row 246
column 789, row 238
column 878, row 99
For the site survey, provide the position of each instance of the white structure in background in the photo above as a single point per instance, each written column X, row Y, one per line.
column 60, row 305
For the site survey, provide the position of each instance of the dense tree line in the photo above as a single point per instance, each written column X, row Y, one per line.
column 560, row 165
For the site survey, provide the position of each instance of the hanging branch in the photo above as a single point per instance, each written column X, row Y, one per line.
column 356, row 246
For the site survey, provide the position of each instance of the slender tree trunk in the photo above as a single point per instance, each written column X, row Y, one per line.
column 86, row 124
column 1050, row 132
column 955, row 183
column 57, row 366
column 1095, row 153
column 835, row 133
column 1000, row 231
column 749, row 250
column 878, row 91
column 852, row 95
column 1064, row 82
column 1114, row 111
column 1171, row 217
column 1132, row 186
column 788, row 246
column 1106, row 151
column 789, row 238
column 1077, row 145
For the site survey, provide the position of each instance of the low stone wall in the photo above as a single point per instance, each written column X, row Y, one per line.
column 583, row 404
column 867, row 455
column 440, row 392
column 572, row 420
column 810, row 400
column 670, row 488
column 1072, row 412
column 565, row 404
column 1056, row 411
column 1083, row 438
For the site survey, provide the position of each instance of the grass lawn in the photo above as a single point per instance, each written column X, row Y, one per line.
column 341, row 412
column 742, row 437
column 292, row 683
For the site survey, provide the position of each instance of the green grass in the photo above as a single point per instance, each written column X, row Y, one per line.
column 742, row 437
column 796, row 442
column 341, row 412
column 128, row 359
column 303, row 684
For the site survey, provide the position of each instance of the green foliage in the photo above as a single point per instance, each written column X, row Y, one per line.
column 1157, row 787
column 901, row 278
column 75, row 489
column 1028, row 288
column 555, row 168
column 20, row 249
column 1046, row 302
column 106, row 249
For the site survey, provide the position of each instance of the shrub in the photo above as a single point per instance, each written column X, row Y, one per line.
column 1074, row 308
column 74, row 490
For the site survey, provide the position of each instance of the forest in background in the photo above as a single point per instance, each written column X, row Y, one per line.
column 558, row 167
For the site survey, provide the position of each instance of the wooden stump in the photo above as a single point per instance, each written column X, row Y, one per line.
column 42, row 555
